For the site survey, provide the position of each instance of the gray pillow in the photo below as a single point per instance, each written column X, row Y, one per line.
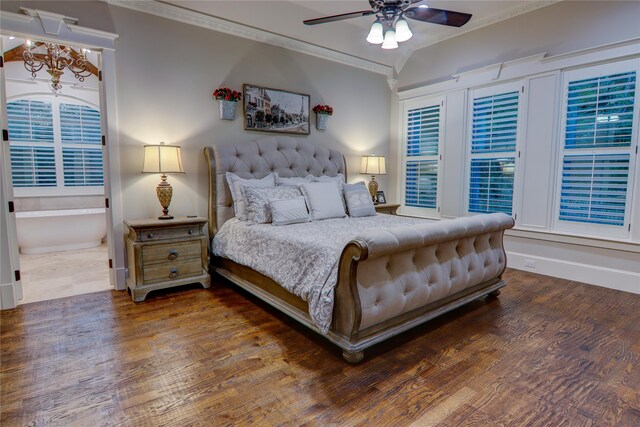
column 235, row 182
column 294, row 180
column 257, row 201
column 289, row 211
column 358, row 199
column 323, row 199
column 338, row 179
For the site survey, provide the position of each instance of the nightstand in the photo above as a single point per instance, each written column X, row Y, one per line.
column 387, row 208
column 165, row 253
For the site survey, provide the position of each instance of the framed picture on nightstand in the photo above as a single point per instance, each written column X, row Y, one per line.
column 380, row 198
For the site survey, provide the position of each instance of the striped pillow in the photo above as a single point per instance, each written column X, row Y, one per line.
column 289, row 211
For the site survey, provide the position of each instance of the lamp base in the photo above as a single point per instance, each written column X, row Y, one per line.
column 164, row 193
column 373, row 189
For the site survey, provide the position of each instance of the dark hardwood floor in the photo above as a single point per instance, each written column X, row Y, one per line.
column 547, row 352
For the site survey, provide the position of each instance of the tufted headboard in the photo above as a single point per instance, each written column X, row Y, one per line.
column 256, row 159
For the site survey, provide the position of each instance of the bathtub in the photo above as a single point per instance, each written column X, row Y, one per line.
column 60, row 230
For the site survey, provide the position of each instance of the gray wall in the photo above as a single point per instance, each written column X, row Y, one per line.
column 166, row 72
column 563, row 27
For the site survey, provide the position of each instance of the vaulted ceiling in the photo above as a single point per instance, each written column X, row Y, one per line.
column 285, row 18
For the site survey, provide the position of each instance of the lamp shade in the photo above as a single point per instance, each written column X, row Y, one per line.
column 162, row 159
column 373, row 165
column 403, row 33
column 390, row 40
column 375, row 35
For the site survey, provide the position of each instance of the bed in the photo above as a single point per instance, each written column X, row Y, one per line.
column 387, row 279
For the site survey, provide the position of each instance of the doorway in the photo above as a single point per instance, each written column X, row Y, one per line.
column 57, row 171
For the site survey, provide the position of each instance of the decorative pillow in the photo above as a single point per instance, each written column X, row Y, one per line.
column 294, row 180
column 323, row 199
column 338, row 179
column 257, row 201
column 235, row 182
column 359, row 202
column 289, row 211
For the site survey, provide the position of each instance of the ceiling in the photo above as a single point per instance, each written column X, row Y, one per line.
column 348, row 36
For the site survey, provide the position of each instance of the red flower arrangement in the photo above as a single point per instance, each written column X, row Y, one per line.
column 226, row 94
column 323, row 109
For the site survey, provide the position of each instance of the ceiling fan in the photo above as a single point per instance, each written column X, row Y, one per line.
column 390, row 27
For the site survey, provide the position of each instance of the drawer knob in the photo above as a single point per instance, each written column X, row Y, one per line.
column 173, row 254
column 190, row 231
column 173, row 273
column 150, row 235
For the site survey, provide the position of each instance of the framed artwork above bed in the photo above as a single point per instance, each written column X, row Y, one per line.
column 275, row 110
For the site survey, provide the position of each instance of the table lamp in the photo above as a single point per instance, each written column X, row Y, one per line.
column 373, row 165
column 163, row 159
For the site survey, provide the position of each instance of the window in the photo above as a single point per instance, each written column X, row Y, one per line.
column 55, row 147
column 598, row 149
column 493, row 144
column 423, row 134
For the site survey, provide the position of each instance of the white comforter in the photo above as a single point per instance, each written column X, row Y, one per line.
column 303, row 258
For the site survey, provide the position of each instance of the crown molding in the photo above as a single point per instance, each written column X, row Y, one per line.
column 187, row 16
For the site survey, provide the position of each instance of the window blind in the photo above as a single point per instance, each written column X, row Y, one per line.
column 33, row 166
column 82, row 167
column 594, row 188
column 423, row 131
column 421, row 166
column 596, row 161
column 30, row 121
column 600, row 111
column 491, row 185
column 495, row 123
column 421, row 186
column 494, row 134
column 79, row 124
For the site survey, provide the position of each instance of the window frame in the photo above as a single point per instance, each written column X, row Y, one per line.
column 403, row 158
column 585, row 228
column 481, row 92
column 60, row 189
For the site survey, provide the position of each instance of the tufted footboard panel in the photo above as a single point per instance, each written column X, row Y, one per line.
column 412, row 267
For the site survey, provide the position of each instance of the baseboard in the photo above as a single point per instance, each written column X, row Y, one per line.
column 7, row 299
column 594, row 275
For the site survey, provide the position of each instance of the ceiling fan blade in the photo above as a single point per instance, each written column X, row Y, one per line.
column 338, row 17
column 438, row 16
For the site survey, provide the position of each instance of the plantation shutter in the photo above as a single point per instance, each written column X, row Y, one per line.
column 494, row 134
column 421, row 165
column 30, row 125
column 80, row 134
column 596, row 162
column 79, row 124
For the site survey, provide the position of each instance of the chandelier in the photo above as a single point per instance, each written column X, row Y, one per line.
column 56, row 60
column 390, row 27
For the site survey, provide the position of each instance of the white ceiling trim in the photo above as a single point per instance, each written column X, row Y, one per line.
column 490, row 20
column 217, row 24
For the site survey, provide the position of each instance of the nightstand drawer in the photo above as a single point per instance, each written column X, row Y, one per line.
column 178, row 251
column 152, row 234
column 171, row 270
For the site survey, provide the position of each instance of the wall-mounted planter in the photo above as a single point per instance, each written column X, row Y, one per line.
column 227, row 109
column 321, row 121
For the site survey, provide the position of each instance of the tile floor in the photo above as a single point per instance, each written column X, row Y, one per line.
column 62, row 274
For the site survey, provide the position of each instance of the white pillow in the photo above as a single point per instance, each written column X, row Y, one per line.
column 323, row 199
column 289, row 211
column 294, row 180
column 257, row 200
column 338, row 179
column 235, row 182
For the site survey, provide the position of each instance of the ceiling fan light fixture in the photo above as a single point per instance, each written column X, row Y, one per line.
column 375, row 35
column 390, row 40
column 403, row 33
